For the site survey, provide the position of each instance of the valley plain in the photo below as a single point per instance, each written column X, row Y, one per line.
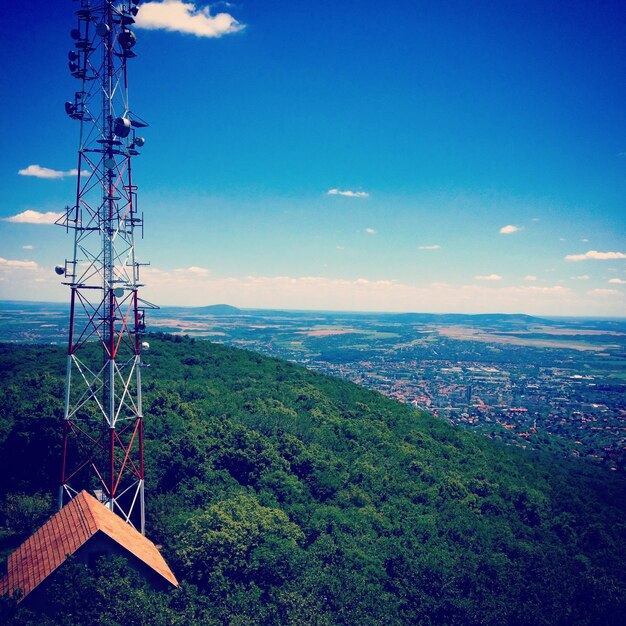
column 556, row 384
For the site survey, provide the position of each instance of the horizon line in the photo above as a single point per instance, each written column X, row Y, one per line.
column 343, row 311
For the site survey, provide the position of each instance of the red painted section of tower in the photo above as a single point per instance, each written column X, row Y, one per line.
column 103, row 421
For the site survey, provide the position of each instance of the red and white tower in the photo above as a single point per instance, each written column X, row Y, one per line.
column 103, row 423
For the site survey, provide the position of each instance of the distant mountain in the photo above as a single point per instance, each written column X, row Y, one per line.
column 480, row 319
column 517, row 319
column 285, row 497
column 212, row 309
column 218, row 309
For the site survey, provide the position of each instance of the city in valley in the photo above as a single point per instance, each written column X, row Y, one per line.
column 537, row 383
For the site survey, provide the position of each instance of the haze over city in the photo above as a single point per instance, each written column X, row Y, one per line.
column 411, row 156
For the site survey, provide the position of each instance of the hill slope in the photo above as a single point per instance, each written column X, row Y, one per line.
column 211, row 309
column 287, row 497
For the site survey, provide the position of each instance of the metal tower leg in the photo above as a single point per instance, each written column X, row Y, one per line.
column 103, row 422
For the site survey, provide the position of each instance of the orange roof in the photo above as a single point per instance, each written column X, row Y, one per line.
column 65, row 532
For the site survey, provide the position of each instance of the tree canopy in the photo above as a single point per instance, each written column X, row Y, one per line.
column 281, row 496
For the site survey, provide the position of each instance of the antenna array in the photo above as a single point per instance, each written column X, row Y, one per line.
column 103, row 422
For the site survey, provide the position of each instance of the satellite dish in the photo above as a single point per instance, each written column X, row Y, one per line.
column 145, row 345
column 60, row 270
column 70, row 108
column 127, row 39
column 140, row 141
column 118, row 292
column 122, row 127
column 102, row 29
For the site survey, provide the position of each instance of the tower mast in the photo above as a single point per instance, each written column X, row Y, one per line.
column 103, row 420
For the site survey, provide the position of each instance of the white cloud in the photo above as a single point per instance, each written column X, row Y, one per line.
column 194, row 269
column 535, row 219
column 348, row 193
column 603, row 293
column 185, row 17
column 582, row 277
column 29, row 247
column 617, row 281
column 45, row 172
column 509, row 229
column 26, row 280
column 530, row 277
column 488, row 277
column 172, row 287
column 554, row 290
column 585, row 240
column 363, row 294
column 594, row 254
column 22, row 265
column 370, row 231
column 433, row 247
column 34, row 217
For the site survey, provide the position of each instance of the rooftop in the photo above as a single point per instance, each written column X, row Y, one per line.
column 64, row 533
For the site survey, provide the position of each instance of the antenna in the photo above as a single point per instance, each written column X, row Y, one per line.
column 103, row 421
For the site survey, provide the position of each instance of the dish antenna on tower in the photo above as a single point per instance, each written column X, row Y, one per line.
column 103, row 422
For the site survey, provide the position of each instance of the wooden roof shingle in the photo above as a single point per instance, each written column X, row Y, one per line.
column 66, row 531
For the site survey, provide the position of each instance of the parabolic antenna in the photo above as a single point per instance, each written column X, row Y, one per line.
column 122, row 127
column 102, row 29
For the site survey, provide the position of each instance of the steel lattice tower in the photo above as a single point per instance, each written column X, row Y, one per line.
column 102, row 426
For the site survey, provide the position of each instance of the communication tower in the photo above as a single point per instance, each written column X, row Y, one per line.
column 102, row 425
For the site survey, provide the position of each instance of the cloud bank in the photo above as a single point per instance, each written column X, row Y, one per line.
column 602, row 293
column 488, row 277
column 185, row 17
column 22, row 265
column 595, row 255
column 34, row 217
column 366, row 294
column 433, row 247
column 23, row 280
column 45, row 172
column 348, row 193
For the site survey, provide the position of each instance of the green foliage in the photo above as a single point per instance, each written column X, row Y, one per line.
column 110, row 594
column 22, row 513
column 238, row 541
column 286, row 497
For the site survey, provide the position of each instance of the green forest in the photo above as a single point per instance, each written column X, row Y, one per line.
column 281, row 496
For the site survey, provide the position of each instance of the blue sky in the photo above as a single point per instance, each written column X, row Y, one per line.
column 475, row 154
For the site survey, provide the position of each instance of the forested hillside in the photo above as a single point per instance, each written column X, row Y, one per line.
column 285, row 497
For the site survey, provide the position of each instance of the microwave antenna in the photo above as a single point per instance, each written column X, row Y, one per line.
column 103, row 420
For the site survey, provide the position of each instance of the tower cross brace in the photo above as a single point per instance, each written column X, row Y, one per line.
column 103, row 418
